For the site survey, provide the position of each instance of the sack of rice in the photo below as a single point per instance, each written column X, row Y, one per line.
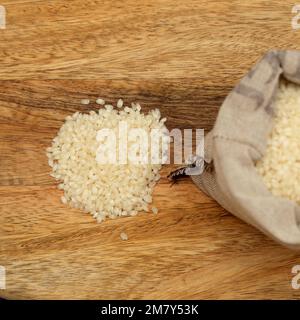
column 253, row 151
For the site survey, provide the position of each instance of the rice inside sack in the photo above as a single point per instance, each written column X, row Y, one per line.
column 104, row 189
column 280, row 166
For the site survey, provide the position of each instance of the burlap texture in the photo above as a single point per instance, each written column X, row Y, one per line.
column 239, row 139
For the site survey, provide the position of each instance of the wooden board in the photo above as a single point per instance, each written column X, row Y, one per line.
column 183, row 57
column 191, row 249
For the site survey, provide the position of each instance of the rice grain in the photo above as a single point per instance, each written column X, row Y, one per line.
column 85, row 101
column 100, row 101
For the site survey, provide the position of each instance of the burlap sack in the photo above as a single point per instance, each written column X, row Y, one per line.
column 239, row 139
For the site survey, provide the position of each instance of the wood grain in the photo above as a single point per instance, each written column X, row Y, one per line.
column 218, row 40
column 181, row 56
column 191, row 249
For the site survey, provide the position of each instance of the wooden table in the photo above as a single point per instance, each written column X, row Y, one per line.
column 181, row 56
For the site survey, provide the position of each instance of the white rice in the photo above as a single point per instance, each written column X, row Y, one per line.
column 120, row 103
column 85, row 101
column 280, row 167
column 104, row 190
column 100, row 101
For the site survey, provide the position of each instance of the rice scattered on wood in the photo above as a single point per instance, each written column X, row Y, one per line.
column 104, row 190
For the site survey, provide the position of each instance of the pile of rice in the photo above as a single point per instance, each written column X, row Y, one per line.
column 280, row 167
column 104, row 190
